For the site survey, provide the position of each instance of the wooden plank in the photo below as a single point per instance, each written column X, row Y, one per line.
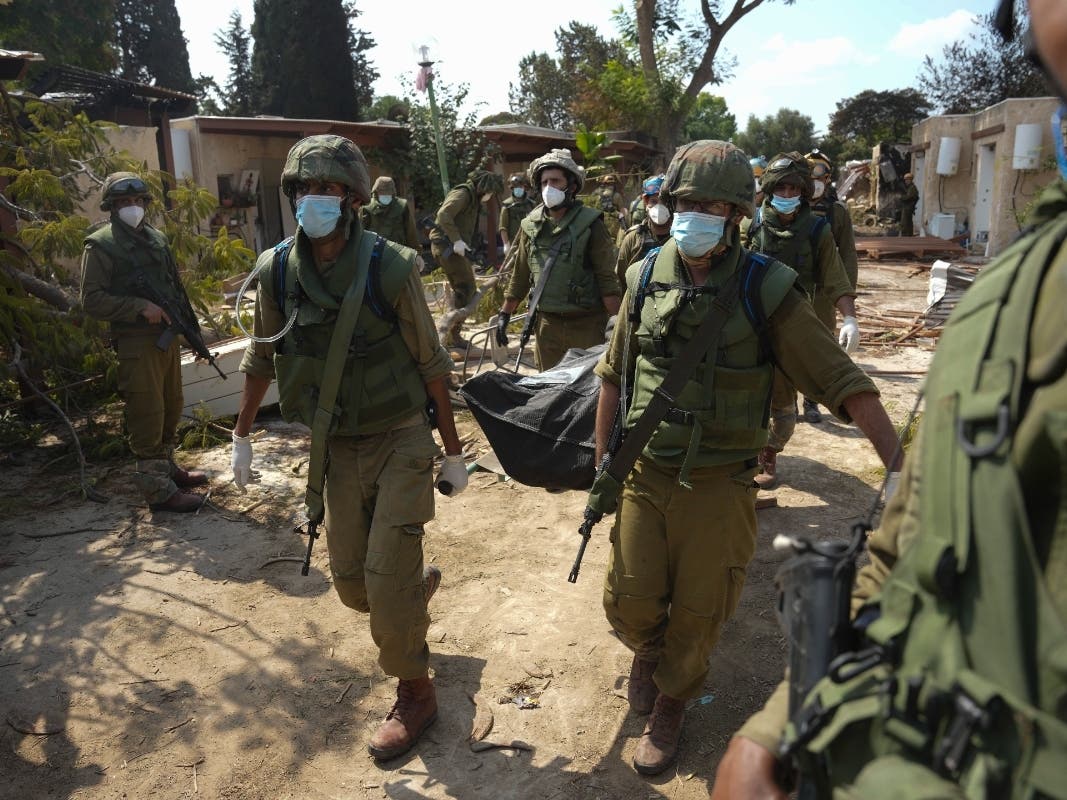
column 201, row 384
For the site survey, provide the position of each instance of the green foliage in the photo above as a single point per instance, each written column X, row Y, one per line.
column 874, row 117
column 388, row 107
column 151, row 45
column 293, row 40
column 235, row 41
column 981, row 70
column 201, row 432
column 779, row 133
column 710, row 119
column 73, row 32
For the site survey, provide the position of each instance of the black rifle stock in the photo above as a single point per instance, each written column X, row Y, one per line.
column 313, row 534
column 181, row 321
column 814, row 591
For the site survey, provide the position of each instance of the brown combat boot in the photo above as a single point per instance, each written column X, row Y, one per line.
column 187, row 479
column 180, row 502
column 658, row 745
column 413, row 712
column 642, row 690
column 768, row 459
column 432, row 577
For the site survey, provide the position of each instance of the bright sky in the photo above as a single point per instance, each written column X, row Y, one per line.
column 805, row 56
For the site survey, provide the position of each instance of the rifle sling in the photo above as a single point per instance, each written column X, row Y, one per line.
column 332, row 374
column 704, row 340
column 542, row 282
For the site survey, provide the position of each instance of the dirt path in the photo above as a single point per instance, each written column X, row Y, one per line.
column 160, row 656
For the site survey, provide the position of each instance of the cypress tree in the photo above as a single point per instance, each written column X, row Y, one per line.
column 71, row 32
column 151, row 45
column 236, row 42
column 301, row 62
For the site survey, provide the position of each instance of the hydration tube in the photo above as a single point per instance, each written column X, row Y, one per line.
column 237, row 311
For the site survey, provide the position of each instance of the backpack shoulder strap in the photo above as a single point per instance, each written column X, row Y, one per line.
column 281, row 260
column 640, row 289
column 376, row 297
column 816, row 232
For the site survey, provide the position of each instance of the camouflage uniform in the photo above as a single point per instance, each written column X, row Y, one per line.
column 394, row 220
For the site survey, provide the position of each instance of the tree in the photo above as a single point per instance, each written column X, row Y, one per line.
column 785, row 131
column 70, row 32
column 150, row 43
column 56, row 157
column 981, row 70
column 679, row 55
column 542, row 94
column 871, row 117
column 235, row 42
column 363, row 72
column 301, row 61
column 389, row 107
column 710, row 119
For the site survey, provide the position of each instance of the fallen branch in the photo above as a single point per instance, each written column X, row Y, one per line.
column 63, row 533
column 294, row 559
column 88, row 491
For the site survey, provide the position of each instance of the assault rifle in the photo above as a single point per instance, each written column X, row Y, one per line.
column 814, row 591
column 182, row 320
column 603, row 494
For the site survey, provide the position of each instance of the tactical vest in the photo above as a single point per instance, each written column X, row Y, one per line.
column 388, row 221
column 466, row 221
column 606, row 199
column 572, row 286
column 967, row 675
column 724, row 408
column 389, row 385
column 517, row 209
column 649, row 240
column 796, row 246
column 132, row 256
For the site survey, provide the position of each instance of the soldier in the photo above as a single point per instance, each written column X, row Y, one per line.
column 377, row 447
column 458, row 221
column 652, row 231
column 389, row 215
column 565, row 244
column 907, row 206
column 788, row 230
column 610, row 200
column 515, row 208
column 824, row 203
column 962, row 693
column 685, row 526
column 119, row 257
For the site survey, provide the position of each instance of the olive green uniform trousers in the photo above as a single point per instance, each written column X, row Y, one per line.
column 150, row 383
column 379, row 495
column 677, row 565
column 558, row 333
column 459, row 272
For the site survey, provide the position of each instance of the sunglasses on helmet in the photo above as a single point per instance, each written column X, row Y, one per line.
column 129, row 186
column 782, row 163
column 819, row 170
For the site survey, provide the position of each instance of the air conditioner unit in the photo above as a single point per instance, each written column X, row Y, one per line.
column 943, row 226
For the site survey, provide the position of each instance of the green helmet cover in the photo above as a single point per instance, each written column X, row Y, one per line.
column 327, row 158
column 785, row 166
column 485, row 181
column 137, row 187
column 709, row 170
column 560, row 158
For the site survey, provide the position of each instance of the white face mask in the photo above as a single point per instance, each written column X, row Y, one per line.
column 131, row 215
column 659, row 214
column 552, row 196
column 820, row 189
column 385, row 199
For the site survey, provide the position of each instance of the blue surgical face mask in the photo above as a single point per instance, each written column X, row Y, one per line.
column 385, row 199
column 518, row 192
column 697, row 234
column 785, row 205
column 317, row 214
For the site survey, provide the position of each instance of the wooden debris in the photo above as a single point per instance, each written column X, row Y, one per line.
column 483, row 719
column 877, row 246
column 514, row 744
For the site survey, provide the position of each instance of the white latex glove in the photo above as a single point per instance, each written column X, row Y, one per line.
column 459, row 247
column 452, row 479
column 241, row 460
column 849, row 336
column 507, row 247
column 892, row 481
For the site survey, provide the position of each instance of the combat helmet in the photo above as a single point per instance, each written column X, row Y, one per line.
column 788, row 165
column 710, row 170
column 519, row 179
column 821, row 165
column 759, row 164
column 123, row 184
column 652, row 185
column 485, row 182
column 384, row 185
column 561, row 159
column 326, row 157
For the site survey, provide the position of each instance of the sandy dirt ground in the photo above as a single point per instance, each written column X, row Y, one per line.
column 173, row 656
